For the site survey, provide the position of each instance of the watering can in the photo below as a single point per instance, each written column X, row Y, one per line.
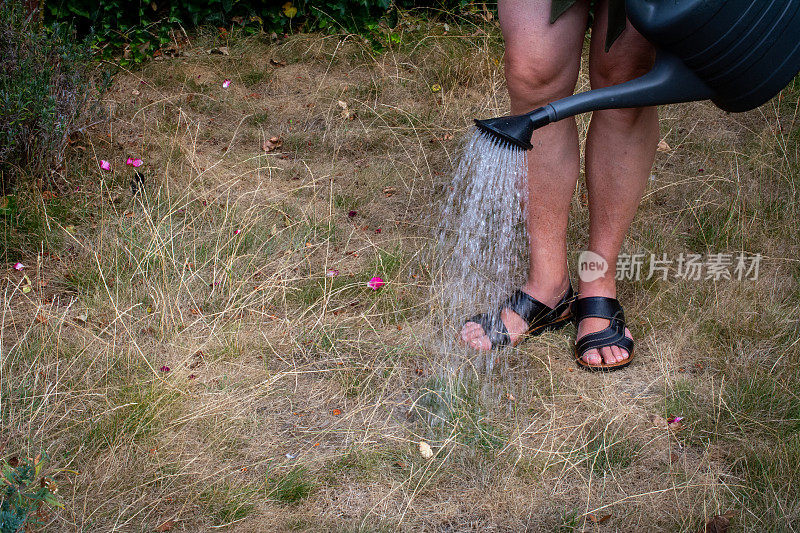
column 736, row 53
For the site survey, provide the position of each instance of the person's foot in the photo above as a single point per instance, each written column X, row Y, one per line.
column 608, row 354
column 473, row 334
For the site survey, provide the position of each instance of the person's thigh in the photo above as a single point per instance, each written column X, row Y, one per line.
column 542, row 60
column 630, row 56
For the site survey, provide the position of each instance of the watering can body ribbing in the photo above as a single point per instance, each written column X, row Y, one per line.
column 736, row 53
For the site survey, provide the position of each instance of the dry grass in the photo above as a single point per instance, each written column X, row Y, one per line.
column 292, row 398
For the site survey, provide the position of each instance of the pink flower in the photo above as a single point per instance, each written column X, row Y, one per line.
column 18, row 266
column 332, row 273
column 237, row 231
column 105, row 165
column 351, row 214
column 226, row 84
column 164, row 368
column 134, row 162
column 674, row 419
column 375, row 283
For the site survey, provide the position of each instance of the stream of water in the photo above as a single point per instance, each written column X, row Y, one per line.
column 481, row 254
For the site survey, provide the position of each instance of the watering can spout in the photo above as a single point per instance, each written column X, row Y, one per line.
column 669, row 82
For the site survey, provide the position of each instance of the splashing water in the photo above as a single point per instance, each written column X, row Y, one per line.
column 481, row 255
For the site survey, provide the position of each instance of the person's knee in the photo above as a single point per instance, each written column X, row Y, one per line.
column 533, row 83
column 611, row 69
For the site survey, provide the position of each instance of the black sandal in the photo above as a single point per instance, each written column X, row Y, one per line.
column 538, row 316
column 613, row 335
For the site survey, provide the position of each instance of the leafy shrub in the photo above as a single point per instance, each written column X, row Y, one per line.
column 23, row 492
column 44, row 88
column 140, row 29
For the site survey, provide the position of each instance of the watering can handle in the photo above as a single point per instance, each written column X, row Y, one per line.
column 670, row 81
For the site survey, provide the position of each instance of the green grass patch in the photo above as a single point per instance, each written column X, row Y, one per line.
column 228, row 503
column 291, row 487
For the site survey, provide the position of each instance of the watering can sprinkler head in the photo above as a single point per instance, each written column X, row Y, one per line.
column 516, row 129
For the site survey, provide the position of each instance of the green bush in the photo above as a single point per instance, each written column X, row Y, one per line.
column 45, row 79
column 23, row 492
column 138, row 29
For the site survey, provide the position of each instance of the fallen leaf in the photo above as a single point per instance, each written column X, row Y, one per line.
column 346, row 113
column 389, row 191
column 272, row 144
column 658, row 421
column 221, row 50
column 166, row 526
column 445, row 137
column 277, row 63
column 425, row 449
column 351, row 214
column 663, row 146
column 674, row 423
column 718, row 524
column 594, row 519
column 82, row 318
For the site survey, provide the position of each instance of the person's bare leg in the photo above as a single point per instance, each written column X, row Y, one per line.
column 541, row 65
column 620, row 149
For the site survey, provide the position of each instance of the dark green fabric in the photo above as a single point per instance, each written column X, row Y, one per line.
column 616, row 17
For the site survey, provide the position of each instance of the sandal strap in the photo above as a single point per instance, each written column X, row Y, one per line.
column 494, row 328
column 613, row 335
column 531, row 310
column 598, row 307
column 534, row 312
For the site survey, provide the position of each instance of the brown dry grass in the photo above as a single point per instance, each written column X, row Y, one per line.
column 289, row 400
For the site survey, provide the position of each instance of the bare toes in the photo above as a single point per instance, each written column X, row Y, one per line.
column 608, row 356
column 481, row 343
column 592, row 357
column 471, row 330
